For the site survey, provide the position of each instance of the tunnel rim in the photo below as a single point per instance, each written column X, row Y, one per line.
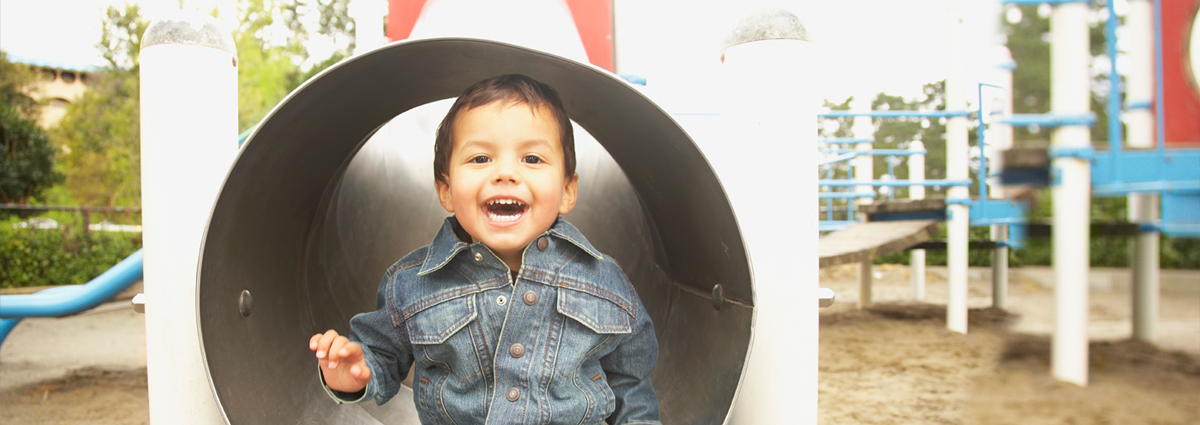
column 286, row 103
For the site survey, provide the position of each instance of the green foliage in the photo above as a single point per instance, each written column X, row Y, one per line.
column 102, row 135
column 1028, row 41
column 269, row 63
column 26, row 158
column 17, row 81
column 26, row 155
column 898, row 133
column 40, row 257
column 121, row 36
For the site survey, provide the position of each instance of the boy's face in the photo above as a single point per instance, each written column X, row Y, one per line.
column 505, row 182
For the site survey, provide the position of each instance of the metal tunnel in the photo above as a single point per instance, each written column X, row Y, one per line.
column 312, row 214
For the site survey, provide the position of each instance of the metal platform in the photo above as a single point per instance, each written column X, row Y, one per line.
column 865, row 241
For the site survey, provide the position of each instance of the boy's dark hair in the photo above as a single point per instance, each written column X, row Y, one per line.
column 509, row 89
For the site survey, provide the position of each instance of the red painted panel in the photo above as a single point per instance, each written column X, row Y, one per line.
column 594, row 20
column 1181, row 95
column 402, row 17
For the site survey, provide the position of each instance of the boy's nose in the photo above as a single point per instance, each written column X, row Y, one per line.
column 507, row 173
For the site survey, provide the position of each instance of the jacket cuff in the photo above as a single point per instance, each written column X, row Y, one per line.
column 343, row 397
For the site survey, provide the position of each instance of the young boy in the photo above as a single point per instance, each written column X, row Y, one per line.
column 509, row 315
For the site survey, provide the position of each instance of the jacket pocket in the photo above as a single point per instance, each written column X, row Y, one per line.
column 437, row 324
column 598, row 314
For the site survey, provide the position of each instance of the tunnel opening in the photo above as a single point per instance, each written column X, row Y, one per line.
column 334, row 186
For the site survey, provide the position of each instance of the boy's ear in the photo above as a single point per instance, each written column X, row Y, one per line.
column 443, row 191
column 570, row 195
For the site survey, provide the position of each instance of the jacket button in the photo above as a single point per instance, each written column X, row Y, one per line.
column 530, row 297
column 517, row 350
column 478, row 256
column 543, row 243
column 513, row 394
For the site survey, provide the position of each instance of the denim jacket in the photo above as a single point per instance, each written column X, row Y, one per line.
column 568, row 342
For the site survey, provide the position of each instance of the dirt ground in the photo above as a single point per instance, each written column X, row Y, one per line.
column 895, row 363
column 891, row 363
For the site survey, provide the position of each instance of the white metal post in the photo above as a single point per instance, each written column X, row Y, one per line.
column 1070, row 94
column 864, row 171
column 916, row 173
column 956, row 169
column 189, row 119
column 999, row 140
column 368, row 24
column 772, row 103
column 1142, row 207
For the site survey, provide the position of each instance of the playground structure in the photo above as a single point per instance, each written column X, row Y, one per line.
column 1070, row 167
column 244, row 289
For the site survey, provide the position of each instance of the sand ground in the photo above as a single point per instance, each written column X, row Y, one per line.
column 891, row 363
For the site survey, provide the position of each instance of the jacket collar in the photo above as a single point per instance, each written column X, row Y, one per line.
column 447, row 244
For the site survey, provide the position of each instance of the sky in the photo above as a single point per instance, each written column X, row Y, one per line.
column 864, row 46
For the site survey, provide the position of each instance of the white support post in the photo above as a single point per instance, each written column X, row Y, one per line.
column 1070, row 94
column 1000, row 139
column 956, row 169
column 1000, row 267
column 1142, row 207
column 864, row 171
column 368, row 24
column 773, row 103
column 916, row 173
column 189, row 119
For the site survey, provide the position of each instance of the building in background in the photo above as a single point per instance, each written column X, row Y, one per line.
column 59, row 85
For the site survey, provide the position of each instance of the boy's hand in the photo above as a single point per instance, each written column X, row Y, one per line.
column 342, row 362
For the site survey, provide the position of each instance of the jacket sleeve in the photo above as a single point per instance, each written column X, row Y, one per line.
column 385, row 348
column 628, row 369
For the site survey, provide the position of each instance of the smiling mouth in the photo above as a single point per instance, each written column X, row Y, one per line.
column 504, row 210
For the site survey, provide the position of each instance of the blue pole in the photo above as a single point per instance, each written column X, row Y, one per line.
column 1158, row 79
column 1115, row 135
column 6, row 326
column 983, row 170
column 68, row 300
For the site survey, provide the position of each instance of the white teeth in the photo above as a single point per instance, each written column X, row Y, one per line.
column 503, row 218
column 505, row 202
column 500, row 218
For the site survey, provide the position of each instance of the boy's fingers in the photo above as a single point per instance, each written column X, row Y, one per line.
column 351, row 351
column 335, row 351
column 323, row 344
column 312, row 342
column 361, row 372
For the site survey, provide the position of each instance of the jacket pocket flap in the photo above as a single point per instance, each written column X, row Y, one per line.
column 436, row 324
column 598, row 314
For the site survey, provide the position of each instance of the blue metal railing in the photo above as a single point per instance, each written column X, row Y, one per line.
column 68, row 300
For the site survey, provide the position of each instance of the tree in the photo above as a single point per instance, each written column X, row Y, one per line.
column 1028, row 39
column 270, row 40
column 102, row 135
column 101, row 132
column 17, row 83
column 26, row 156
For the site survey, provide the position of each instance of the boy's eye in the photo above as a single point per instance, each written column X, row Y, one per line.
column 532, row 159
column 479, row 160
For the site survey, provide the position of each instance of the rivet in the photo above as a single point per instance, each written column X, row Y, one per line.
column 501, row 300
column 478, row 256
column 718, row 297
column 543, row 243
column 245, row 302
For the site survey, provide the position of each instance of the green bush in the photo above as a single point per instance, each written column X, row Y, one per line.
column 61, row 256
